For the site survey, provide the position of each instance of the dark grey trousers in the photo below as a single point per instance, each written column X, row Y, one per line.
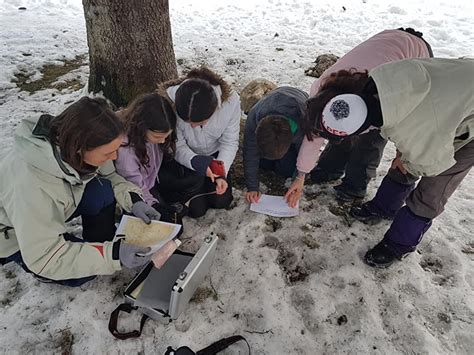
column 356, row 157
column 432, row 193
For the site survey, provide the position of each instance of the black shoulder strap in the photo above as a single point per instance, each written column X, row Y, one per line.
column 222, row 344
column 113, row 322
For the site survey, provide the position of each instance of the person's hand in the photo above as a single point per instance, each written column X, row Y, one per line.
column 221, row 186
column 160, row 257
column 253, row 196
column 210, row 174
column 130, row 257
column 294, row 193
column 145, row 212
column 397, row 164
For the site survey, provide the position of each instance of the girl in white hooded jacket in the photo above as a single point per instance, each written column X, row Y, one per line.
column 208, row 127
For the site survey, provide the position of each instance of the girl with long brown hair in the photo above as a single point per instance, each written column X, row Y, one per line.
column 150, row 124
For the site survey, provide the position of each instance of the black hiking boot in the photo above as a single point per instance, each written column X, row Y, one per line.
column 383, row 255
column 366, row 214
column 345, row 194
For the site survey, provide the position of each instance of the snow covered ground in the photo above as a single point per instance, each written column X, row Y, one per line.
column 424, row 305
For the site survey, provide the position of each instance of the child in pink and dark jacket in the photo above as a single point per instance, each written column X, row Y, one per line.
column 355, row 158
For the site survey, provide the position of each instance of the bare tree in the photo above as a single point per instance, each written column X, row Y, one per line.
column 130, row 47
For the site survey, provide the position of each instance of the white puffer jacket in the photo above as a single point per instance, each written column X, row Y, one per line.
column 219, row 134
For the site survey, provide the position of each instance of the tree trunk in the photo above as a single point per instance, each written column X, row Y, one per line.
column 130, row 47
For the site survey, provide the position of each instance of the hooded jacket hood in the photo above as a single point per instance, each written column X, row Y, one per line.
column 31, row 141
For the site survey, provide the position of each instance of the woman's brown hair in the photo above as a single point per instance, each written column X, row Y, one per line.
column 342, row 82
column 150, row 112
column 86, row 124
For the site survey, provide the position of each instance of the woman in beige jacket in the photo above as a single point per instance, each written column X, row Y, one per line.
column 59, row 168
column 426, row 108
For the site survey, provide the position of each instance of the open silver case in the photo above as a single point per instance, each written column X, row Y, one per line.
column 163, row 294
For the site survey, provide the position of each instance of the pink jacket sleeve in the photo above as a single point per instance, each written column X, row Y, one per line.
column 308, row 155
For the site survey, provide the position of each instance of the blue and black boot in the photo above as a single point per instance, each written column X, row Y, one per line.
column 401, row 239
column 389, row 198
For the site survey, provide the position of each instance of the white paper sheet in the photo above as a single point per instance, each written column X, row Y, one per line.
column 153, row 235
column 275, row 206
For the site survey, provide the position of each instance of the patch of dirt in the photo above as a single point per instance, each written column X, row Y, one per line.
column 65, row 341
column 443, row 317
column 322, row 62
column 11, row 294
column 232, row 205
column 10, row 274
column 234, row 61
column 271, row 242
column 288, row 262
column 273, row 224
column 431, row 264
column 202, row 294
column 342, row 320
column 342, row 210
column 468, row 249
column 50, row 73
column 310, row 227
column 310, row 242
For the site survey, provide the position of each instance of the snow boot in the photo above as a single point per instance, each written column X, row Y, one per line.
column 345, row 193
column 389, row 198
column 400, row 240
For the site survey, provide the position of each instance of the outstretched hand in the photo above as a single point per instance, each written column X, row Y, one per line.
column 253, row 196
column 294, row 193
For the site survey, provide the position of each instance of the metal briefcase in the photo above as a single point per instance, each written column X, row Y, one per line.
column 163, row 294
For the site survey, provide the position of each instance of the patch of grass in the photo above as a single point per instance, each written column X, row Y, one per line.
column 50, row 73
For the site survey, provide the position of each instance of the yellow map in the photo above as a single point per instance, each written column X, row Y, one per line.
column 141, row 234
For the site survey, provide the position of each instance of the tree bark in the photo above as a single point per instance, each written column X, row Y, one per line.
column 130, row 47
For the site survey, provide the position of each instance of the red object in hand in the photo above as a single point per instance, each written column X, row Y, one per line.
column 217, row 167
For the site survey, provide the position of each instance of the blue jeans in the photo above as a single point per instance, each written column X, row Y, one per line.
column 98, row 198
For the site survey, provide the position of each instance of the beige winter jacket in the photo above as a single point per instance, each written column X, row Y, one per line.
column 428, row 110
column 38, row 193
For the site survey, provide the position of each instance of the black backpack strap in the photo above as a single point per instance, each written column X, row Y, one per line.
column 182, row 350
column 222, row 344
column 113, row 322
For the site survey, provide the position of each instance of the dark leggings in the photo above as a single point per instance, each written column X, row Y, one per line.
column 97, row 208
column 180, row 184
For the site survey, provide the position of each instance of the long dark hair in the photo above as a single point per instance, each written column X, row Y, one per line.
column 86, row 124
column 150, row 112
column 195, row 100
column 342, row 82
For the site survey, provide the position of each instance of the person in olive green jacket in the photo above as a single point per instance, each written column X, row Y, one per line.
column 426, row 108
column 59, row 168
